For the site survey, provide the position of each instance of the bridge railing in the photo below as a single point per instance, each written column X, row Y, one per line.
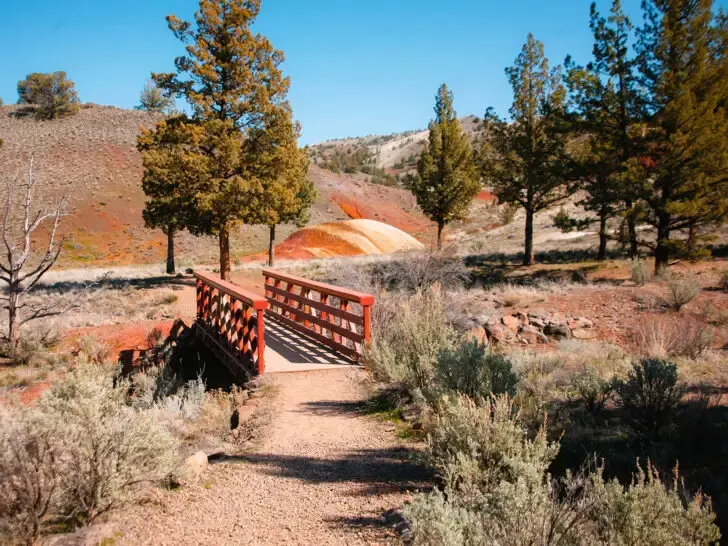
column 334, row 316
column 233, row 317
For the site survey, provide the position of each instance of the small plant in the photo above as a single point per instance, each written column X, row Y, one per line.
column 640, row 271
column 724, row 281
column 593, row 390
column 682, row 291
column 650, row 395
column 472, row 370
column 95, row 351
column 412, row 271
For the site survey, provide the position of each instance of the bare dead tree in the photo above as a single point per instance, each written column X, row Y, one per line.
column 21, row 268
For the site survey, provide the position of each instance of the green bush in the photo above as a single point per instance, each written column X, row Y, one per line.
column 593, row 390
column 650, row 395
column 472, row 370
column 406, row 351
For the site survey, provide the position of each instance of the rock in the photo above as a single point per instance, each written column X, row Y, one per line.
column 497, row 333
column 580, row 322
column 257, row 393
column 584, row 333
column 195, row 464
column 478, row 334
column 557, row 330
column 533, row 335
column 537, row 322
column 522, row 318
column 511, row 322
column 539, row 314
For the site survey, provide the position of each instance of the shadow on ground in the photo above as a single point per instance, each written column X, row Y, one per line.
column 377, row 470
column 147, row 283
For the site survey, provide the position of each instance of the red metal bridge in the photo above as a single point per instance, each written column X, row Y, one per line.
column 298, row 325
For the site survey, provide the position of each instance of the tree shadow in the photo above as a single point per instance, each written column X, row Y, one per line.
column 22, row 112
column 377, row 471
column 146, row 283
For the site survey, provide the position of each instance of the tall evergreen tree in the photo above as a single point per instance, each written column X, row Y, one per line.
column 447, row 179
column 231, row 79
column 607, row 106
column 684, row 68
column 171, row 171
column 277, row 169
column 526, row 160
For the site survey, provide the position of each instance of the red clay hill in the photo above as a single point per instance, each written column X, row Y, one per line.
column 92, row 158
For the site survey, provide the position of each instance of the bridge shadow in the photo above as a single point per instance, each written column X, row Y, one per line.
column 293, row 351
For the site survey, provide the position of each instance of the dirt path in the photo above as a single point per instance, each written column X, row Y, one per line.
column 324, row 474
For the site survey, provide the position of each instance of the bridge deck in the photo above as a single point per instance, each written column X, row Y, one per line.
column 289, row 351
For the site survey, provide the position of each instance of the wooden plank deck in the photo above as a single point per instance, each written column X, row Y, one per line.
column 288, row 351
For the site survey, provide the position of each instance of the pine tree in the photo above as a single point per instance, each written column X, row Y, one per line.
column 606, row 107
column 153, row 99
column 231, row 79
column 447, row 179
column 51, row 95
column 171, row 171
column 684, row 67
column 526, row 160
column 278, row 169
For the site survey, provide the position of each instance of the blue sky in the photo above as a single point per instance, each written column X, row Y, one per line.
column 357, row 67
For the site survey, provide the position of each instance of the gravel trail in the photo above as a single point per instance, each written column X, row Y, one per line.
column 323, row 474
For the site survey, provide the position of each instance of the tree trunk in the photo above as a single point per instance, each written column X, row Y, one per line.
column 528, row 258
column 224, row 239
column 662, row 251
column 271, row 242
column 602, row 253
column 170, row 252
column 440, row 226
column 634, row 251
column 13, row 317
column 692, row 242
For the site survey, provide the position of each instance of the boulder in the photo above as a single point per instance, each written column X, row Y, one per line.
column 195, row 464
column 498, row 333
column 557, row 330
column 539, row 314
column 532, row 335
column 522, row 318
column 537, row 322
column 580, row 322
column 511, row 322
column 584, row 333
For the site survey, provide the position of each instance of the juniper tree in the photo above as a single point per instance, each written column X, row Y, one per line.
column 51, row 95
column 683, row 66
column 153, row 99
column 607, row 107
column 231, row 79
column 172, row 168
column 277, row 169
column 447, row 179
column 526, row 160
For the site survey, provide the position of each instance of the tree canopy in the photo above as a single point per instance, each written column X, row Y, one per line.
column 51, row 95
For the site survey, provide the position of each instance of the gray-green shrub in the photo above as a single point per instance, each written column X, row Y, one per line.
column 406, row 351
column 28, row 473
column 650, row 395
column 640, row 271
column 107, row 449
column 496, row 490
column 473, row 370
column 682, row 291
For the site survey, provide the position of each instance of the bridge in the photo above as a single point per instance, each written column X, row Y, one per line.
column 299, row 324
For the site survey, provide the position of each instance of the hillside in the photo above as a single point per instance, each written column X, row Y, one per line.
column 92, row 158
